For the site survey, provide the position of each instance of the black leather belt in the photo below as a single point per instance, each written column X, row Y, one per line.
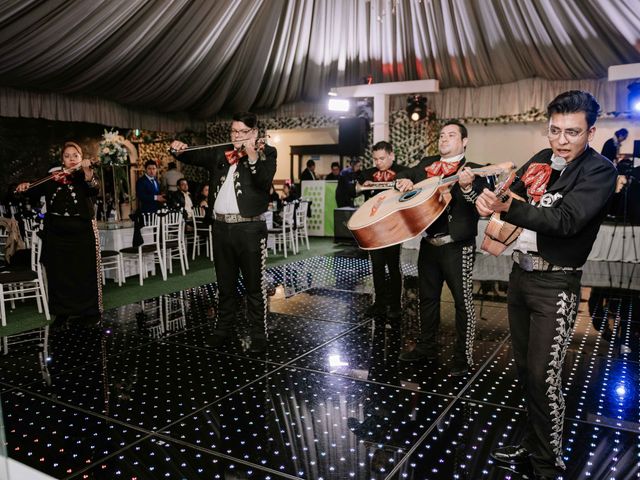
column 439, row 241
column 531, row 262
column 237, row 218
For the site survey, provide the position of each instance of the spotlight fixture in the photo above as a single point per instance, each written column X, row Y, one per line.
column 634, row 97
column 339, row 105
column 416, row 107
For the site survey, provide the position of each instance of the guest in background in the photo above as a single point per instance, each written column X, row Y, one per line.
column 335, row 172
column 274, row 199
column 203, row 196
column 289, row 193
column 181, row 199
column 346, row 183
column 170, row 179
column 309, row 173
column 148, row 189
column 611, row 148
column 70, row 252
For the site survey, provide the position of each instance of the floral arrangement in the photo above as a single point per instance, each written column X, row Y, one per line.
column 111, row 150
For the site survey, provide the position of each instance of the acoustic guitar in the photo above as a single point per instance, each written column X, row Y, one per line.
column 500, row 234
column 392, row 217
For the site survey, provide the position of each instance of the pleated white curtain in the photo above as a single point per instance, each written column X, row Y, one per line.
column 167, row 62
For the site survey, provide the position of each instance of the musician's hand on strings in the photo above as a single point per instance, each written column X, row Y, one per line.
column 465, row 178
column 367, row 183
column 404, row 185
column 488, row 202
column 177, row 145
column 23, row 187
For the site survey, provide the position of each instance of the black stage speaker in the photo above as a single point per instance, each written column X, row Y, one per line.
column 340, row 218
column 353, row 136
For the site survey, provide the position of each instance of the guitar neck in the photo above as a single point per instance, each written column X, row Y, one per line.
column 376, row 186
column 480, row 172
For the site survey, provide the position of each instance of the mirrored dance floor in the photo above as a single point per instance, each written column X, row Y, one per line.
column 144, row 395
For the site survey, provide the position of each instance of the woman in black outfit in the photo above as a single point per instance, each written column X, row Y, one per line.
column 70, row 247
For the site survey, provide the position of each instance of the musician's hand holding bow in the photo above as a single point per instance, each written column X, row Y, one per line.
column 404, row 185
column 23, row 187
column 488, row 202
column 177, row 145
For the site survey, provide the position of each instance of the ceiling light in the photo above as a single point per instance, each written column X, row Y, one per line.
column 416, row 107
column 339, row 105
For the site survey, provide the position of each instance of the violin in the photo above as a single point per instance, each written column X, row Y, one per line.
column 51, row 176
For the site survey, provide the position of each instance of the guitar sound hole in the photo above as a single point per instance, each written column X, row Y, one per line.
column 409, row 195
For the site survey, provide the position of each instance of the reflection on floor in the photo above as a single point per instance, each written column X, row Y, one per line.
column 144, row 396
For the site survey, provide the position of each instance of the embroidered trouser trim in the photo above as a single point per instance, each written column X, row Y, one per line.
column 542, row 311
column 240, row 248
column 451, row 263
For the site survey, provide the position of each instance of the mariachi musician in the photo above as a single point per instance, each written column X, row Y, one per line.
column 241, row 174
column 388, row 295
column 447, row 249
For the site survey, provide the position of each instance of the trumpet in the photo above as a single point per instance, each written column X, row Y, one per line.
column 375, row 186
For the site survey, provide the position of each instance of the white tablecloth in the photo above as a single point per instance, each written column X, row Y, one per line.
column 612, row 241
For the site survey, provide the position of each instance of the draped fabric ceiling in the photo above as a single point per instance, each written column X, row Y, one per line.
column 164, row 63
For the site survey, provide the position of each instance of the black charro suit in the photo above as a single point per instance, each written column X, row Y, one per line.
column 387, row 294
column 239, row 246
column 543, row 303
column 451, row 263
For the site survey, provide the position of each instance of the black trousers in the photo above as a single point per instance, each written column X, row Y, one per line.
column 387, row 293
column 241, row 248
column 542, row 311
column 451, row 263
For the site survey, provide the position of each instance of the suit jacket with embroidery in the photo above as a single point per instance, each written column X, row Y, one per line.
column 251, row 183
column 568, row 216
column 460, row 218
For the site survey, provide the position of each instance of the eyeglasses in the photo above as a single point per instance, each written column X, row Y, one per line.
column 571, row 134
column 244, row 131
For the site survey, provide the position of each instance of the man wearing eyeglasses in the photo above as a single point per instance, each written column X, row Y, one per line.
column 564, row 191
column 240, row 175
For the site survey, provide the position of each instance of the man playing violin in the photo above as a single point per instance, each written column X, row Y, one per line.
column 388, row 294
column 447, row 250
column 565, row 189
column 240, row 177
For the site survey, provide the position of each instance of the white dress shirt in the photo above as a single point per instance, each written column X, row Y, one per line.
column 226, row 201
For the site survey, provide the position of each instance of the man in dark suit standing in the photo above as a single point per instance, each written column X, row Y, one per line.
column 240, row 176
column 611, row 147
column 148, row 189
column 447, row 250
column 309, row 173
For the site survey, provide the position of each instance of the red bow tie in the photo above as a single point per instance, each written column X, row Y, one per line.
column 384, row 176
column 441, row 168
column 233, row 156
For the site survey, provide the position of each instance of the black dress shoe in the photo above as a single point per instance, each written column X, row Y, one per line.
column 217, row 341
column 376, row 310
column 511, row 454
column 417, row 355
column 258, row 345
column 459, row 369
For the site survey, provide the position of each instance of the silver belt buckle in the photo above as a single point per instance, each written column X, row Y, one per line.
column 526, row 262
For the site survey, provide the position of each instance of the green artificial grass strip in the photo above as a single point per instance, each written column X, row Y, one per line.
column 26, row 317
